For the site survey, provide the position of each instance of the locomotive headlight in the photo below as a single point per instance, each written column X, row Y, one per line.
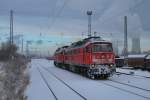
column 111, row 65
column 92, row 66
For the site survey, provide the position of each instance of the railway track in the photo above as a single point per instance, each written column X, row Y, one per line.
column 49, row 87
column 119, row 87
column 118, row 73
column 114, row 86
column 63, row 82
column 126, row 90
column 130, row 85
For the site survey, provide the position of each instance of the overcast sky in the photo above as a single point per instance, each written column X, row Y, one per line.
column 64, row 21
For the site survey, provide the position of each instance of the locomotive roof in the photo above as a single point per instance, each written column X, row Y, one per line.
column 81, row 43
column 65, row 47
column 87, row 41
column 61, row 49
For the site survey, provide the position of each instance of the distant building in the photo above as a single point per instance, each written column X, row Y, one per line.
column 136, row 49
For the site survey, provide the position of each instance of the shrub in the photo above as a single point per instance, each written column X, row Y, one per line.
column 7, row 51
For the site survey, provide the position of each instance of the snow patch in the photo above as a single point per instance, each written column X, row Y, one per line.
column 148, row 57
column 137, row 56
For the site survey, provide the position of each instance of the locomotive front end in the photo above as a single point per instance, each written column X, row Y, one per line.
column 102, row 60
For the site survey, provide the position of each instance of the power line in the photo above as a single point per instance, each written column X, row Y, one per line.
column 53, row 12
column 54, row 9
column 58, row 14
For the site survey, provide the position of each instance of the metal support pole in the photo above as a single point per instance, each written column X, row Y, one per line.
column 11, row 34
column 125, row 42
column 22, row 45
column 27, row 48
column 11, row 27
column 89, row 13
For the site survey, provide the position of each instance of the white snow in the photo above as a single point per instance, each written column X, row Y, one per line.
column 148, row 57
column 91, row 89
column 136, row 72
column 137, row 56
column 37, row 90
column 134, row 81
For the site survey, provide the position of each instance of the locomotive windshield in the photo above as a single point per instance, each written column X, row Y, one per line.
column 102, row 47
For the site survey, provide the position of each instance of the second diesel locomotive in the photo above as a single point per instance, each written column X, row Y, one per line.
column 92, row 57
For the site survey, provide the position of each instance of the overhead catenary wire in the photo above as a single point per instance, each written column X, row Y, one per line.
column 58, row 14
column 53, row 12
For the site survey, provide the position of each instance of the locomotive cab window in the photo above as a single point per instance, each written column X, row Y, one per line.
column 102, row 47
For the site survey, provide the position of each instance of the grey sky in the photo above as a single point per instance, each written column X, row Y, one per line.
column 74, row 10
column 69, row 16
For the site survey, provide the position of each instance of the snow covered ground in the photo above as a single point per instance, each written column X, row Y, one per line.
column 52, row 83
column 136, row 72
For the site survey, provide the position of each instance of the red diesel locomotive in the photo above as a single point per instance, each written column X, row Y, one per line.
column 92, row 57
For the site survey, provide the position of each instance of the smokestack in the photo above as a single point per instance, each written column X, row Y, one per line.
column 125, row 42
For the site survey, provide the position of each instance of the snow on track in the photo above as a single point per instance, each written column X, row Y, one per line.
column 91, row 89
column 134, row 81
column 136, row 72
column 127, row 88
column 137, row 76
column 47, row 84
column 37, row 89
column 61, row 91
column 84, row 98
column 137, row 81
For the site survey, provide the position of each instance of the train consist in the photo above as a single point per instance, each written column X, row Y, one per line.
column 92, row 57
column 140, row 61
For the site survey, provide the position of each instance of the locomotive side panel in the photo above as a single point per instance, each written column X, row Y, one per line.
column 88, row 55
